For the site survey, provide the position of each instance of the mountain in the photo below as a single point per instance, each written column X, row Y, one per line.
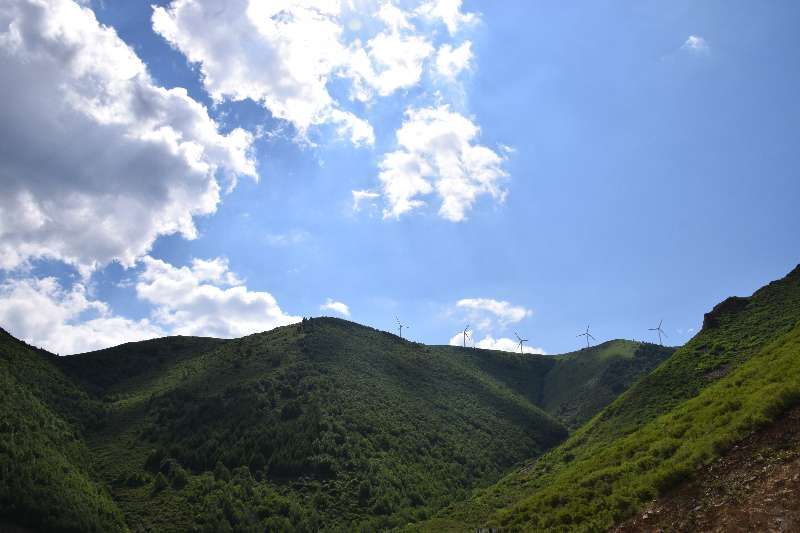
column 46, row 478
column 738, row 375
column 322, row 425
column 581, row 383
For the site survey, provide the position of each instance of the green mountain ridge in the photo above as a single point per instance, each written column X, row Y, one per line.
column 323, row 425
column 328, row 425
column 739, row 373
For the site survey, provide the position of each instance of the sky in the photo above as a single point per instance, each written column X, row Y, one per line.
column 220, row 168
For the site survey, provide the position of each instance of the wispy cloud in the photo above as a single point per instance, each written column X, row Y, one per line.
column 287, row 239
column 362, row 196
column 696, row 44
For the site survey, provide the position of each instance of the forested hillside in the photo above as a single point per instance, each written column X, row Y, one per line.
column 321, row 425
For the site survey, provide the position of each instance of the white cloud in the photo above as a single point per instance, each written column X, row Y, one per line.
column 458, row 339
column 285, row 54
column 189, row 302
column 215, row 271
column 205, row 298
column 490, row 343
column 697, row 44
column 449, row 12
column 96, row 161
column 337, row 307
column 450, row 62
column 42, row 313
column 391, row 60
column 362, row 196
column 487, row 314
column 437, row 153
column 281, row 54
column 507, row 345
column 484, row 310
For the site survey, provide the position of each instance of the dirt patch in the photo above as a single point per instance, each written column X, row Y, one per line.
column 718, row 373
column 754, row 487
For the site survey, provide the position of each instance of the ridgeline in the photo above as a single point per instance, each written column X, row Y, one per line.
column 322, row 425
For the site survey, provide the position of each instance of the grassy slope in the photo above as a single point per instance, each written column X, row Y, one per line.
column 45, row 478
column 737, row 373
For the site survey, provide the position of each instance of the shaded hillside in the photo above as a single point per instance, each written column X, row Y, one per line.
column 582, row 383
column 45, row 480
column 321, row 425
column 740, row 372
column 339, row 426
column 131, row 365
column 576, row 386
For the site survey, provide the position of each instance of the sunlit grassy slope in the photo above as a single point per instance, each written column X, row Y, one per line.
column 741, row 371
column 321, row 425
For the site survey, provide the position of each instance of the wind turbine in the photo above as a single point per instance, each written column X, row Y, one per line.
column 400, row 325
column 660, row 332
column 521, row 340
column 587, row 335
column 466, row 335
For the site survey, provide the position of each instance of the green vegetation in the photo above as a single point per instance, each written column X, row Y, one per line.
column 582, row 383
column 323, row 425
column 740, row 372
column 45, row 480
column 127, row 367
column 365, row 428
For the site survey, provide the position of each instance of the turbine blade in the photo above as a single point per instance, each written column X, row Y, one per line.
column 592, row 337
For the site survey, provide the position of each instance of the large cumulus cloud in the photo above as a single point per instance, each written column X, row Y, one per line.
column 96, row 160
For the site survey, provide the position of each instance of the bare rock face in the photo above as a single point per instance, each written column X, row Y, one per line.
column 730, row 306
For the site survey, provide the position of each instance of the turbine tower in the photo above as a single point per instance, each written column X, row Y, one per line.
column 587, row 335
column 466, row 335
column 659, row 331
column 400, row 326
column 521, row 340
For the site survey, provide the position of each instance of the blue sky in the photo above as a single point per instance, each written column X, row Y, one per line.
column 639, row 163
